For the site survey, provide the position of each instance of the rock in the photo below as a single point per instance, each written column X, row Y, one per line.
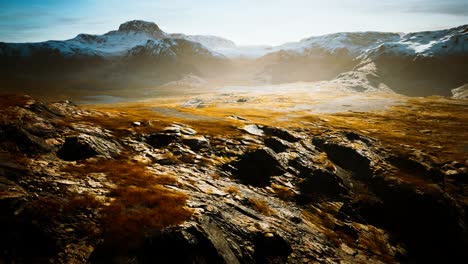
column 165, row 158
column 196, row 142
column 322, row 184
column 277, row 144
column 257, row 166
column 460, row 92
column 346, row 156
column 159, row 140
column 188, row 131
column 459, row 176
column 351, row 135
column 253, row 130
column 239, row 118
column 281, row 133
column 202, row 243
column 85, row 146
column 14, row 136
column 271, row 248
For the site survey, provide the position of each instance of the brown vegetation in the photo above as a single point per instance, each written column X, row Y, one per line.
column 260, row 206
column 141, row 205
column 8, row 100
column 233, row 190
column 138, row 212
column 283, row 192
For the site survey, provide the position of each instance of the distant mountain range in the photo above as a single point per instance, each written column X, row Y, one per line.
column 140, row 53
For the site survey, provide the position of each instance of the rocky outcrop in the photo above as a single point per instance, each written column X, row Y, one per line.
column 85, row 146
column 258, row 166
column 460, row 92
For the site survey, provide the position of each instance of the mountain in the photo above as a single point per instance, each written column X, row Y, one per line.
column 415, row 64
column 210, row 42
column 423, row 63
column 138, row 53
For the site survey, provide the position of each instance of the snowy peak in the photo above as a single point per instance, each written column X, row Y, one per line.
column 452, row 41
column 211, row 42
column 354, row 43
column 140, row 26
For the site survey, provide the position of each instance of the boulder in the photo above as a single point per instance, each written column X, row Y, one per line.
column 271, row 248
column 15, row 137
column 85, row 146
column 281, row 133
column 158, row 140
column 253, row 130
column 257, row 166
column 346, row 156
column 196, row 142
column 322, row 184
column 277, row 144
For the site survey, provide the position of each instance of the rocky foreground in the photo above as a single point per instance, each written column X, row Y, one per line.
column 79, row 185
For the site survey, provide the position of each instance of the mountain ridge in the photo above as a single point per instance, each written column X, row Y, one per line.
column 406, row 63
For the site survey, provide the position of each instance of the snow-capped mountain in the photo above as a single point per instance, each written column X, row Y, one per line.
column 353, row 43
column 131, row 35
column 139, row 52
column 211, row 42
column 419, row 63
column 452, row 41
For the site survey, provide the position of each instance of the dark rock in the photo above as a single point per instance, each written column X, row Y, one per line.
column 277, row 144
column 322, row 184
column 430, row 224
column 194, row 244
column 13, row 137
column 85, row 146
column 351, row 135
column 238, row 118
column 257, row 166
column 159, row 140
column 281, row 133
column 196, row 142
column 417, row 167
column 271, row 248
column 457, row 176
column 44, row 110
column 347, row 157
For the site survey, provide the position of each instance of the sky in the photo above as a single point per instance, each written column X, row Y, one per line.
column 246, row 22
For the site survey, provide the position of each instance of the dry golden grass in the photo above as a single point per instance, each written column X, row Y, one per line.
column 435, row 125
column 138, row 212
column 166, row 179
column 8, row 100
column 141, row 205
column 283, row 192
column 233, row 190
column 260, row 206
column 372, row 240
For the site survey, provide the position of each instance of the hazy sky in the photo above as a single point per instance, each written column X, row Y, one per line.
column 243, row 21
